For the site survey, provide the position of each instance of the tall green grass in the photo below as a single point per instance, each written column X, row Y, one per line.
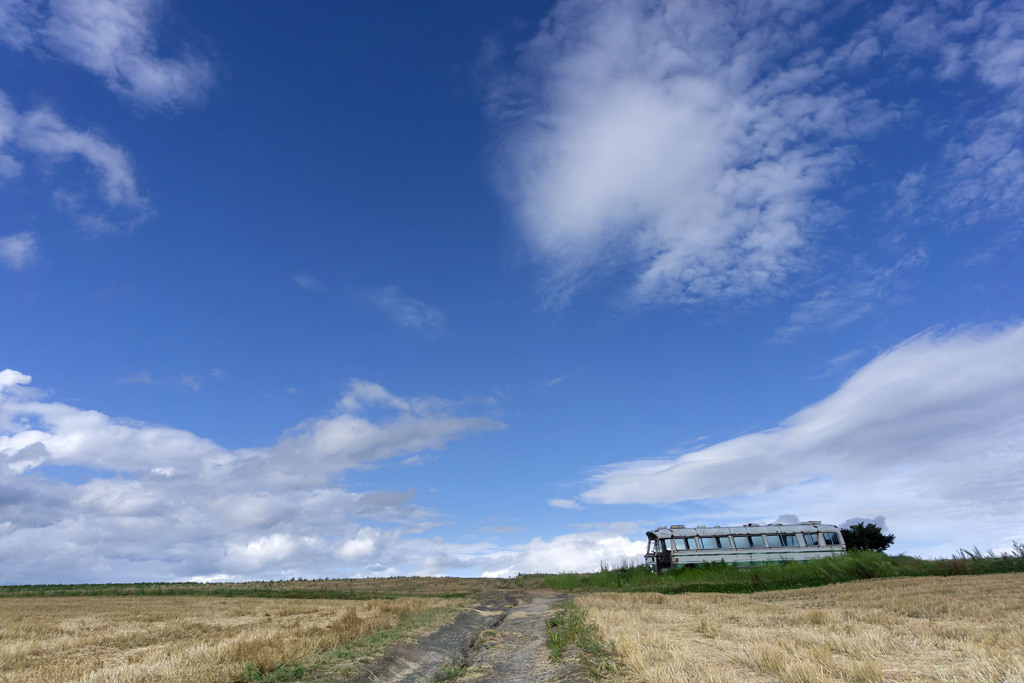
column 723, row 578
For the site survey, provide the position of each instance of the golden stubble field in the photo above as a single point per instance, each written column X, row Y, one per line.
column 183, row 638
column 963, row 628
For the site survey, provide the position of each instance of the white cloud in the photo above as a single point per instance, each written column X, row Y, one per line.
column 362, row 394
column 159, row 502
column 580, row 552
column 684, row 141
column 17, row 19
column 565, row 504
column 842, row 302
column 687, row 147
column 408, row 312
column 113, row 39
column 43, row 133
column 980, row 44
column 929, row 434
column 17, row 250
column 554, row 382
column 9, row 166
column 10, row 378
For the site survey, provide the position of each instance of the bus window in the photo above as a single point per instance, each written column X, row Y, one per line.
column 757, row 541
column 831, row 538
column 774, row 541
column 810, row 539
column 708, row 542
column 789, row 540
column 741, row 541
column 683, row 544
column 723, row 542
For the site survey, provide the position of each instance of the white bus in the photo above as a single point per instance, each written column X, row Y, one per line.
column 746, row 546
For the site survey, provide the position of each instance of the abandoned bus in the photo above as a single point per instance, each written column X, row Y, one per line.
column 746, row 546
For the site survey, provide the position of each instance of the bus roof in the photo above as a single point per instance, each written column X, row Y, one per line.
column 680, row 531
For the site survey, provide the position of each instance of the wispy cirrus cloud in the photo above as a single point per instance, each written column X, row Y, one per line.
column 408, row 312
column 9, row 166
column 113, row 39
column 186, row 380
column 43, row 133
column 309, row 283
column 929, row 434
column 841, row 302
column 977, row 45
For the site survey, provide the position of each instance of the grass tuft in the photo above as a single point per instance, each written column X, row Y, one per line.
column 569, row 630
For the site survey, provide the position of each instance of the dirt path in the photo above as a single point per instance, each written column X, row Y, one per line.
column 501, row 640
column 516, row 650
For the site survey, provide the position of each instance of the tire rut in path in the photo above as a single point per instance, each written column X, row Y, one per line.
column 426, row 660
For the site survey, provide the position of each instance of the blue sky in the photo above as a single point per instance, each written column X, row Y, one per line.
column 350, row 289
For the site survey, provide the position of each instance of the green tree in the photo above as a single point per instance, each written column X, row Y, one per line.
column 863, row 536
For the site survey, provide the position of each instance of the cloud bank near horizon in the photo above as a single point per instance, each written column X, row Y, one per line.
column 88, row 497
column 929, row 434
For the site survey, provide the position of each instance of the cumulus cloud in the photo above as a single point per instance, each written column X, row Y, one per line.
column 408, row 312
column 17, row 250
column 11, row 378
column 929, row 434
column 683, row 141
column 584, row 551
column 113, row 39
column 86, row 497
column 89, row 497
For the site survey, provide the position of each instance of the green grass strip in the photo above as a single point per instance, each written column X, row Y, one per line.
column 723, row 578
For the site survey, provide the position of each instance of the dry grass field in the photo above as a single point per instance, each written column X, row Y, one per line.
column 184, row 638
column 963, row 628
column 388, row 587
